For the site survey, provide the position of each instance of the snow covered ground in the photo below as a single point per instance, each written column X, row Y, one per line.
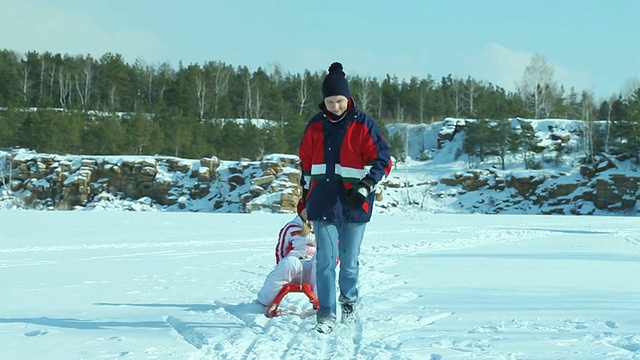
column 161, row 285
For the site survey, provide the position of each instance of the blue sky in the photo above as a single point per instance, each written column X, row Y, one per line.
column 591, row 45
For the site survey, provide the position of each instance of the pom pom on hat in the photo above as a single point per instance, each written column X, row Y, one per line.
column 336, row 67
column 335, row 83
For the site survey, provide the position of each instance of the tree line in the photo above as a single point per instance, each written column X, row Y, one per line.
column 84, row 105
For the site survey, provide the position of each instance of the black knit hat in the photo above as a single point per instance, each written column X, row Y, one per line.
column 335, row 83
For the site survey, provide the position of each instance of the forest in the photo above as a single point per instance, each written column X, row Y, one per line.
column 78, row 104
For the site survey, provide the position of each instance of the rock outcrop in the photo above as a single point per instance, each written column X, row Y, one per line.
column 595, row 187
column 67, row 182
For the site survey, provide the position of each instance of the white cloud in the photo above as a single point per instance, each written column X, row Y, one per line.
column 28, row 27
column 499, row 65
column 574, row 79
column 504, row 67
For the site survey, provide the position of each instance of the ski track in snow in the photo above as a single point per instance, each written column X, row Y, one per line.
column 255, row 336
column 238, row 329
column 631, row 238
column 452, row 239
column 134, row 245
column 355, row 342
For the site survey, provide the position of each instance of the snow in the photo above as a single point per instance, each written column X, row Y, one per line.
column 175, row 285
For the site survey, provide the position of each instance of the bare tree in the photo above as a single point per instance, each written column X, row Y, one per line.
column 52, row 78
column 148, row 74
column 25, row 84
column 42, row 67
column 165, row 75
column 83, row 80
column 113, row 97
column 400, row 113
column 469, row 95
column 456, row 95
column 538, row 87
column 201, row 92
column 424, row 87
column 302, row 90
column 364, row 91
column 258, row 108
column 64, row 86
column 221, row 74
column 607, row 137
column 588, row 125
column 248, row 92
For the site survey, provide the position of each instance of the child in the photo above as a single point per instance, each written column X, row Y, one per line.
column 295, row 259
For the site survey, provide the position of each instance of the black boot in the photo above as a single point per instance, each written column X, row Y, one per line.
column 348, row 314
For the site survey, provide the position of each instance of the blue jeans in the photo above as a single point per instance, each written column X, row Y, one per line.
column 335, row 240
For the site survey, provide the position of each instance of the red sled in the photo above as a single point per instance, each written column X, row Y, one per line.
column 272, row 310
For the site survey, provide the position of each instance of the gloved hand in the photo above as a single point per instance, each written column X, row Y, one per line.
column 356, row 196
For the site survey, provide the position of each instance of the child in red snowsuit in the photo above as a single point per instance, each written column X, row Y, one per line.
column 295, row 259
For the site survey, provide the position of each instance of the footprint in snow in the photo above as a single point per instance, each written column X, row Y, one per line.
column 36, row 333
column 611, row 324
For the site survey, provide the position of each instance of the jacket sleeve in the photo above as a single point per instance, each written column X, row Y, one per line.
column 376, row 152
column 305, row 154
column 284, row 245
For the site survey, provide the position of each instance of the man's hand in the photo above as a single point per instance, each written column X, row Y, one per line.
column 356, row 196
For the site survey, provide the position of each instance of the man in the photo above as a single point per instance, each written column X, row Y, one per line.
column 343, row 156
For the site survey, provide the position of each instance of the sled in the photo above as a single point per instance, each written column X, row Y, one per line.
column 272, row 309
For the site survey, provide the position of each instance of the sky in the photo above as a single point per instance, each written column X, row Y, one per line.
column 168, row 285
column 589, row 44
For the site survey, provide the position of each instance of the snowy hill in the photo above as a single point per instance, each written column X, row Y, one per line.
column 432, row 176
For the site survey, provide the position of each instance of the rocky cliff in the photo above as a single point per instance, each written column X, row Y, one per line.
column 444, row 183
column 45, row 181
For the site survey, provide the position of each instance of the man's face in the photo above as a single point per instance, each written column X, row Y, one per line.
column 337, row 104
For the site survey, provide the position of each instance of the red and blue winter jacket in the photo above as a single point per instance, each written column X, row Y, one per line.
column 334, row 157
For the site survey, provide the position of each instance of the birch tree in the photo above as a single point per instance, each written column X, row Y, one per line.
column 53, row 69
column 456, row 95
column 25, row 83
column 588, row 126
column 608, row 119
column 302, row 91
column 147, row 75
column 425, row 88
column 471, row 90
column 166, row 75
column 221, row 74
column 538, row 87
column 64, row 86
column 260, row 81
column 200, row 83
column 83, row 80
column 245, row 77
column 364, row 88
